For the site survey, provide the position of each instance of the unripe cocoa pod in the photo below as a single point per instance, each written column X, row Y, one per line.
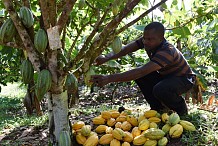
column 7, row 31
column 116, row 44
column 41, row 40
column 27, row 71
column 64, row 139
column 26, row 17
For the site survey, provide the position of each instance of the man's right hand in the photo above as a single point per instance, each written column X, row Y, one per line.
column 100, row 60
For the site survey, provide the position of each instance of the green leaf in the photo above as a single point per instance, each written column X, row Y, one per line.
column 139, row 27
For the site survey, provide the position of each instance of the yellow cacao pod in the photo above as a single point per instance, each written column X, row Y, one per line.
column 187, row 125
column 153, row 125
column 150, row 142
column 98, row 120
column 154, row 119
column 118, row 125
column 115, row 142
column 115, row 9
column 106, row 139
column 162, row 142
column 165, row 117
column 121, row 118
column 125, row 144
column 150, row 113
column 128, row 137
column 86, row 130
column 115, row 114
column 174, row 119
column 78, row 125
column 141, row 117
column 166, row 128
column 109, row 130
column 101, row 129
column 111, row 122
column 91, row 141
column 80, row 139
column 136, row 132
column 106, row 114
column 139, row 140
column 126, row 112
column 126, row 126
column 118, row 133
column 132, row 120
column 144, row 124
column 176, row 131
column 154, row 134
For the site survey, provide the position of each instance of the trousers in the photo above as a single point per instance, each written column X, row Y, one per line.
column 165, row 92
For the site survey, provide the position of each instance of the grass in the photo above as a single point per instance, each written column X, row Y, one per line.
column 12, row 111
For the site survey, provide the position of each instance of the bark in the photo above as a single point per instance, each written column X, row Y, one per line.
column 51, row 118
column 45, row 14
column 60, row 112
column 52, row 12
column 32, row 54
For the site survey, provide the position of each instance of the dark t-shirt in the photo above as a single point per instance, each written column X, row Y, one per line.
column 169, row 58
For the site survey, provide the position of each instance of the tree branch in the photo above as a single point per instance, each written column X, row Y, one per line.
column 44, row 13
column 32, row 54
column 12, row 45
column 65, row 14
column 52, row 11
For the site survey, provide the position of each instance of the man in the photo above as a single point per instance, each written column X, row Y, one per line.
column 163, row 79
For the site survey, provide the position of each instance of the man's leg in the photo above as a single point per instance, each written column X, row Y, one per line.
column 146, row 85
column 169, row 91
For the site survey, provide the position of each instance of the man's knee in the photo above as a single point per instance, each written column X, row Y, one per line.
column 159, row 92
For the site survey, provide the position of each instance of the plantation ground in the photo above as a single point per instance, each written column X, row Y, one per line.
column 17, row 129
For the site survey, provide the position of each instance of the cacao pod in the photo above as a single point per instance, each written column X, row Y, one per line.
column 141, row 117
column 121, row 118
column 166, row 128
column 115, row 114
column 106, row 139
column 118, row 133
column 116, row 45
column 132, row 120
column 26, row 17
column 187, row 125
column 136, row 132
column 101, row 129
column 78, row 125
column 176, row 131
column 43, row 83
column 111, row 122
column 144, row 124
column 125, row 144
column 71, row 83
column 64, row 139
column 106, row 114
column 115, row 142
column 162, row 142
column 27, row 71
column 41, row 40
column 150, row 113
column 128, row 137
column 139, row 140
column 7, row 31
column 87, row 76
column 173, row 119
column 150, row 142
column 80, row 139
column 92, row 140
column 98, row 120
column 86, row 130
column 153, row 125
column 126, row 126
column 115, row 9
column 154, row 119
column 165, row 117
column 118, row 125
column 153, row 133
column 108, row 130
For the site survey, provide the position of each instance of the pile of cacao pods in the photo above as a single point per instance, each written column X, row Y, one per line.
column 113, row 128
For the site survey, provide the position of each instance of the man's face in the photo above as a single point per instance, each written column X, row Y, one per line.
column 151, row 39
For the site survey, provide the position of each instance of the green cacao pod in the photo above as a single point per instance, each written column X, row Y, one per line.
column 81, row 4
column 162, row 142
column 27, row 71
column 173, row 119
column 26, row 17
column 115, row 9
column 87, row 76
column 64, row 139
column 43, row 83
column 116, row 45
column 154, row 133
column 41, row 40
column 7, row 31
column 71, row 82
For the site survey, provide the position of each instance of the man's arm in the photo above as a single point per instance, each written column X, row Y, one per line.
column 133, row 74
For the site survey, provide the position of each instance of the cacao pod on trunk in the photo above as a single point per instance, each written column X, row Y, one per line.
column 26, row 17
column 116, row 45
column 41, row 40
column 43, row 83
column 64, row 139
column 7, row 31
column 27, row 71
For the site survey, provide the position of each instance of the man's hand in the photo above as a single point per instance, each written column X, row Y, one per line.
column 100, row 80
column 100, row 60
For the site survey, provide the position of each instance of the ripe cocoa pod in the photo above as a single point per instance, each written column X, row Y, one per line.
column 101, row 129
column 118, row 133
column 126, row 126
column 86, row 130
column 164, row 117
column 80, row 139
column 150, row 142
column 64, row 139
column 154, row 119
column 27, row 71
column 41, row 40
column 125, row 144
column 176, row 131
column 92, row 140
column 106, row 114
column 150, row 113
column 128, row 137
column 98, row 120
column 7, row 31
column 116, row 45
column 106, row 139
column 111, row 122
column 139, row 140
column 187, row 125
column 163, row 141
column 132, row 120
column 166, row 128
column 115, row 142
column 26, row 17
column 78, row 125
column 154, row 133
column 136, row 132
column 144, row 124
column 43, row 83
